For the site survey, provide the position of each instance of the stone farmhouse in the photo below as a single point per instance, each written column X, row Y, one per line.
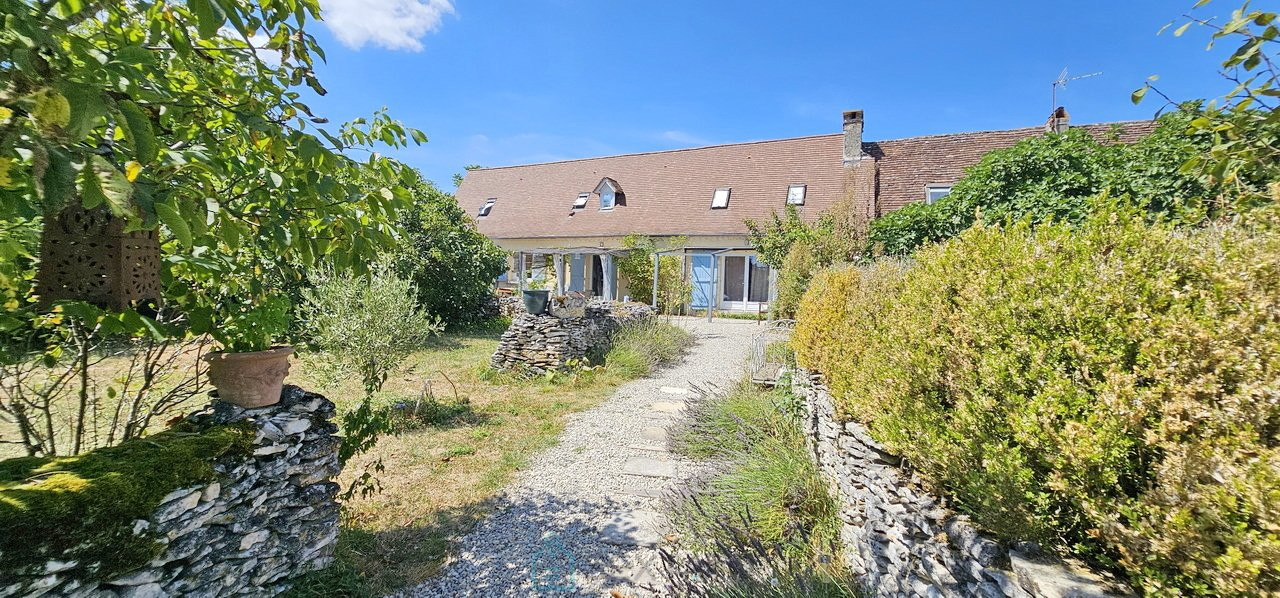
column 564, row 222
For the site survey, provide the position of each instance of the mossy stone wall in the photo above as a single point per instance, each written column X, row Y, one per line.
column 229, row 501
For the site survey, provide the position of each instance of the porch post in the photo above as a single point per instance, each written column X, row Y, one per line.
column 714, row 299
column 657, row 260
column 559, row 262
column 520, row 270
column 606, row 264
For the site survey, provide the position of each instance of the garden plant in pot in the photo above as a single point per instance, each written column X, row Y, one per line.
column 537, row 293
column 250, row 369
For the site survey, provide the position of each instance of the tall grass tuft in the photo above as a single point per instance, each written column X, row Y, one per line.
column 765, row 521
column 636, row 350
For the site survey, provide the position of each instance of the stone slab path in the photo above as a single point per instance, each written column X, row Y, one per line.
column 584, row 517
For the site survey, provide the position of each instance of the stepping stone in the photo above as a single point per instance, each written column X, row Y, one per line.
column 641, row 492
column 649, row 468
column 632, row 528
column 654, row 433
column 648, row 447
column 667, row 406
column 674, row 390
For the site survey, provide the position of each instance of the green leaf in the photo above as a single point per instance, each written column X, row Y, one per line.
column 139, row 125
column 58, row 183
column 103, row 184
column 86, row 108
column 1181, row 30
column 209, row 17
column 1138, row 94
column 135, row 55
column 172, row 218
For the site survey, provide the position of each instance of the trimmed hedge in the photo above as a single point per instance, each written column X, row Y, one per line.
column 1110, row 389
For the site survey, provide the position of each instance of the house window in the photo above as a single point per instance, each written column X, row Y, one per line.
column 720, row 199
column 535, row 266
column 487, row 207
column 610, row 194
column 795, row 194
column 581, row 201
column 935, row 192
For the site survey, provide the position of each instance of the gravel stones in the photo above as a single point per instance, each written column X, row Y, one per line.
column 573, row 523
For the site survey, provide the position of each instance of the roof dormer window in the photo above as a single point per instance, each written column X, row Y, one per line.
column 487, row 207
column 610, row 194
column 795, row 194
column 581, row 201
column 720, row 199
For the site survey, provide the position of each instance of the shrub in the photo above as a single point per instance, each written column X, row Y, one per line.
column 452, row 265
column 1106, row 390
column 366, row 323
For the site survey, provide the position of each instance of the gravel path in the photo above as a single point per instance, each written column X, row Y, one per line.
column 583, row 518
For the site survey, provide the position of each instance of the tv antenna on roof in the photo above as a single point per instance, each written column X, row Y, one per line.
column 1062, row 81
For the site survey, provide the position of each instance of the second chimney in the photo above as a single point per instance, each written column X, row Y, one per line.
column 853, row 137
column 1059, row 121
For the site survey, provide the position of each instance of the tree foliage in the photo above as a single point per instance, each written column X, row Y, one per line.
column 1051, row 178
column 188, row 118
column 452, row 265
column 636, row 268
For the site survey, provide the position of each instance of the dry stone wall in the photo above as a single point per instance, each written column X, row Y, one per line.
column 904, row 541
column 542, row 343
column 269, row 517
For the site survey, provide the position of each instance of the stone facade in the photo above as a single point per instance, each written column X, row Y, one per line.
column 904, row 541
column 543, row 343
column 269, row 516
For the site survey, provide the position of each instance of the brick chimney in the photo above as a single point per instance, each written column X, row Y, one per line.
column 853, row 137
column 1059, row 121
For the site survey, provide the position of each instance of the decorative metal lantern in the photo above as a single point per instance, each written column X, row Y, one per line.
column 86, row 255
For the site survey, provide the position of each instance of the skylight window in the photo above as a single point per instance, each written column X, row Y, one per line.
column 487, row 207
column 935, row 192
column 795, row 194
column 720, row 199
column 581, row 201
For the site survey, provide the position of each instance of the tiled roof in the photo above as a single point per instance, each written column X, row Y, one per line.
column 669, row 192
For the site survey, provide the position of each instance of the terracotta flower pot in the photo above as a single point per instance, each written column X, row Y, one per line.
column 249, row 379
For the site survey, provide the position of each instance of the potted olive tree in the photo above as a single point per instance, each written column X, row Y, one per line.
column 250, row 369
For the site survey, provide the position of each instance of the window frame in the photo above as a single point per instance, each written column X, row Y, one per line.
column 804, row 192
column 580, row 202
column 487, row 208
column 930, row 189
column 728, row 194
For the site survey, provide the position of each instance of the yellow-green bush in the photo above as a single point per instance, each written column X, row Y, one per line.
column 1109, row 389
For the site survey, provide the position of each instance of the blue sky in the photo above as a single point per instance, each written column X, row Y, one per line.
column 499, row 83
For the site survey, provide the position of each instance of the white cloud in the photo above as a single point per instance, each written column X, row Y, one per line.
column 391, row 24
